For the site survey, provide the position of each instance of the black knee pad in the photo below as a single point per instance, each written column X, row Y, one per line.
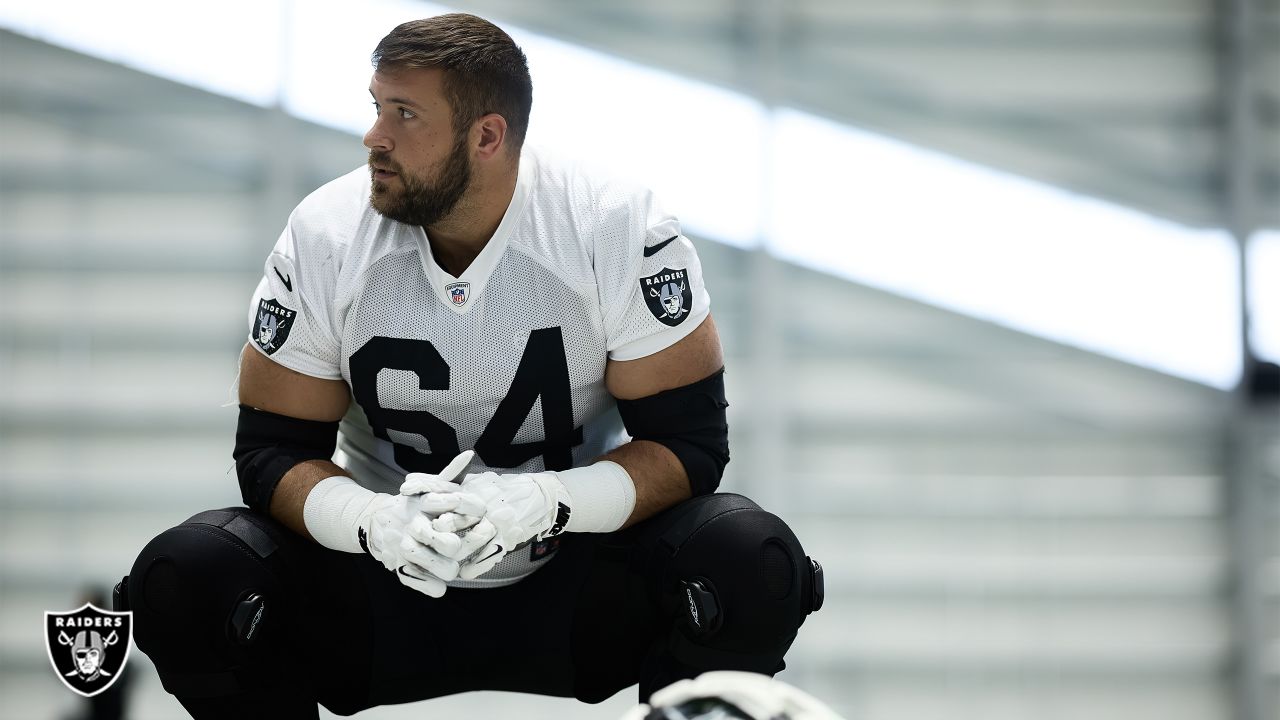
column 208, row 602
column 737, row 580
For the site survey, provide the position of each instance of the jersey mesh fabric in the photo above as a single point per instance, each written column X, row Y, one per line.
column 601, row 228
column 330, row 236
column 482, row 348
column 569, row 273
column 312, row 347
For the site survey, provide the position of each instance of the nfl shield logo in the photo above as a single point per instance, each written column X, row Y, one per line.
column 88, row 647
column 458, row 292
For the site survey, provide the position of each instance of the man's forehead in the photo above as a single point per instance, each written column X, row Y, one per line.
column 420, row 86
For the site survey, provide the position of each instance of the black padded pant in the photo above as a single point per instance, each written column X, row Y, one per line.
column 606, row 611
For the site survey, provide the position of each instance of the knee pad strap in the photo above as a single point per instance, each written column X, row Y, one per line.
column 234, row 522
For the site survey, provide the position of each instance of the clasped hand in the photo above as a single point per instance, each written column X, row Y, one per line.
column 436, row 530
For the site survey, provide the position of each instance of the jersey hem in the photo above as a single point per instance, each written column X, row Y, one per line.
column 651, row 344
column 308, row 372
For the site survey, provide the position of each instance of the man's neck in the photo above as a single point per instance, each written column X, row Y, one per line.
column 459, row 237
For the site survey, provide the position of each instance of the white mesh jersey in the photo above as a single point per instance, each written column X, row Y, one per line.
column 509, row 357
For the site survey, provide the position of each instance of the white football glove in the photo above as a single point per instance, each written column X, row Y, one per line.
column 511, row 509
column 382, row 531
column 759, row 697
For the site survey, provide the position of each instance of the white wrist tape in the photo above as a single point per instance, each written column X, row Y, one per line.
column 603, row 496
column 332, row 512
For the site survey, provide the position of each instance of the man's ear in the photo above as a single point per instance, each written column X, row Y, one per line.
column 489, row 135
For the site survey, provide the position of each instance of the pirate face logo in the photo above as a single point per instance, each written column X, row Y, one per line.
column 672, row 298
column 266, row 329
column 668, row 295
column 272, row 327
column 88, row 647
column 88, row 650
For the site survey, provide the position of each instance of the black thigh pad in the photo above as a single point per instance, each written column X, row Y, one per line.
column 735, row 575
column 209, row 601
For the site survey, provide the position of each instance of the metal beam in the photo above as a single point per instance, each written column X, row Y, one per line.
column 1237, row 58
column 760, row 57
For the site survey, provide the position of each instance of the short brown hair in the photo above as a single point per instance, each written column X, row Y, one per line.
column 485, row 71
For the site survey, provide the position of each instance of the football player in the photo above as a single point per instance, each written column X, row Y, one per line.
column 482, row 422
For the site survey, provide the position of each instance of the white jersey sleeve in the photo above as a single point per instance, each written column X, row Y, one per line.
column 291, row 316
column 652, row 289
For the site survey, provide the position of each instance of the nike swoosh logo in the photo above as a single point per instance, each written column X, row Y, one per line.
column 288, row 283
column 486, row 557
column 651, row 250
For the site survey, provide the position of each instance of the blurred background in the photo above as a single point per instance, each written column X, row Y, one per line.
column 998, row 281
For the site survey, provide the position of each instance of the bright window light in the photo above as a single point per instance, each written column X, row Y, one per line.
column 328, row 68
column 229, row 47
column 1264, row 294
column 1019, row 253
column 696, row 145
column 880, row 212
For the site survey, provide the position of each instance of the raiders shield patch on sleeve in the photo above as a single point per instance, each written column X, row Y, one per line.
column 272, row 326
column 668, row 295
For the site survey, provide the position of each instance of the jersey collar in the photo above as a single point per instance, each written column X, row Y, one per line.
column 461, row 293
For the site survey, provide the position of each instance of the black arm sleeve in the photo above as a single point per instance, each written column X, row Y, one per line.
column 690, row 422
column 269, row 445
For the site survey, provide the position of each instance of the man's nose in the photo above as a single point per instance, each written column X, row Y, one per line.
column 376, row 139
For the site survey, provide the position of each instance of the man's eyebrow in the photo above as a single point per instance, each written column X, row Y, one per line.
column 396, row 100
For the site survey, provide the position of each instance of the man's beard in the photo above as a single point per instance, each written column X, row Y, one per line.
column 419, row 202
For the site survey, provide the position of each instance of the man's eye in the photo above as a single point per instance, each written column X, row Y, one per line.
column 377, row 109
column 406, row 113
